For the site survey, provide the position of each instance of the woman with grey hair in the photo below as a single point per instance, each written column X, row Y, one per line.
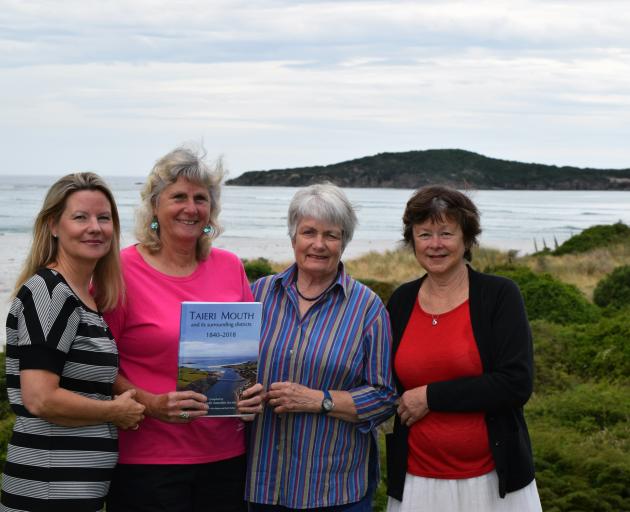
column 324, row 371
column 174, row 462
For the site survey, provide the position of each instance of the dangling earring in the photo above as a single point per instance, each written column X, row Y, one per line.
column 154, row 224
column 208, row 230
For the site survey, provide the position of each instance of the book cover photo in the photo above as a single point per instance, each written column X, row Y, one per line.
column 218, row 351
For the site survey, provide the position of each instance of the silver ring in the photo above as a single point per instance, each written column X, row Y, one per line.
column 184, row 415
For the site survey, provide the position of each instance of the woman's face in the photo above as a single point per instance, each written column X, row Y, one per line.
column 317, row 247
column 439, row 246
column 85, row 229
column 183, row 210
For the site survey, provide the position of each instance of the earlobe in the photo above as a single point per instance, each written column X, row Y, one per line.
column 51, row 228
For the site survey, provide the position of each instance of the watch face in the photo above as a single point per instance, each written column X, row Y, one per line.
column 327, row 405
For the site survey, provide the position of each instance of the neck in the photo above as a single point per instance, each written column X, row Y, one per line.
column 172, row 260
column 308, row 281
column 78, row 274
column 441, row 285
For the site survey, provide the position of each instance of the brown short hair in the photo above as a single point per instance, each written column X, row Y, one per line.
column 437, row 203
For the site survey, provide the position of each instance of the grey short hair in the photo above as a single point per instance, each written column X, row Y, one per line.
column 183, row 162
column 324, row 202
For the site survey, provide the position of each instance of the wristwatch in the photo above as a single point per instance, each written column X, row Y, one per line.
column 327, row 403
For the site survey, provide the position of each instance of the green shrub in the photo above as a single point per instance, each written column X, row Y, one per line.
column 614, row 289
column 255, row 269
column 549, row 299
column 595, row 237
column 601, row 350
column 382, row 288
column 550, row 356
column 565, row 354
column 581, row 442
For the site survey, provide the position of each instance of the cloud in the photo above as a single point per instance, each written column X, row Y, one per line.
column 283, row 83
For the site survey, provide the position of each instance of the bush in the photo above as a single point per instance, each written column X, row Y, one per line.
column 255, row 269
column 547, row 298
column 594, row 238
column 564, row 354
column 601, row 350
column 580, row 440
column 614, row 289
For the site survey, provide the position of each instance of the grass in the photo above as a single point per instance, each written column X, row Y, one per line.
column 583, row 270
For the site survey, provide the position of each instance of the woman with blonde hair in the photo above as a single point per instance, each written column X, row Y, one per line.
column 61, row 358
column 175, row 461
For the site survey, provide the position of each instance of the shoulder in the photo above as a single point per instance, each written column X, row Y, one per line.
column 359, row 291
column 261, row 286
column 406, row 290
column 46, row 282
column 491, row 283
column 221, row 256
column 130, row 255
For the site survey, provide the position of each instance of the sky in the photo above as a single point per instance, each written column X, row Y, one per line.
column 112, row 86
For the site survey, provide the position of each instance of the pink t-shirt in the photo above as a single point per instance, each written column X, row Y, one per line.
column 146, row 329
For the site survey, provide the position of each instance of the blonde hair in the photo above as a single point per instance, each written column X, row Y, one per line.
column 106, row 279
column 185, row 163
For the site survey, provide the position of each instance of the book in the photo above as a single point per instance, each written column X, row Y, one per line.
column 218, row 351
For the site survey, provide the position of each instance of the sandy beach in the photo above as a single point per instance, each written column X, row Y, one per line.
column 14, row 246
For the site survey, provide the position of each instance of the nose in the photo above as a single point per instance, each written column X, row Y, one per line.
column 190, row 206
column 318, row 241
column 94, row 224
column 435, row 240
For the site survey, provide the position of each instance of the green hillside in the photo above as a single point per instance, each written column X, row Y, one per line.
column 455, row 167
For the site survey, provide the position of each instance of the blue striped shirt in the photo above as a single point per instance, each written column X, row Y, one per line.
column 343, row 342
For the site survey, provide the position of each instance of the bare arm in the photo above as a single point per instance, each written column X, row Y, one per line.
column 291, row 397
column 43, row 398
column 172, row 407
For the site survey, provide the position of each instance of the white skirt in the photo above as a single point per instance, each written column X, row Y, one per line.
column 479, row 494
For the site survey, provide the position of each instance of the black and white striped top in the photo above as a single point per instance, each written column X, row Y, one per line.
column 51, row 467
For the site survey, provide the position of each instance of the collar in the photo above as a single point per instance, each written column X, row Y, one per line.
column 287, row 278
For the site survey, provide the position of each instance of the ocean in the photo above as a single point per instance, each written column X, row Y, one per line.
column 254, row 218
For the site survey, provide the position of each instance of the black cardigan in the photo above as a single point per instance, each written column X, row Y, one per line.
column 503, row 337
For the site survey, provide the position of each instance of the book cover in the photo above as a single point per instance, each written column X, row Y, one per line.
column 218, row 351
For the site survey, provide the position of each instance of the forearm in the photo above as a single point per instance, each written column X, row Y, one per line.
column 69, row 409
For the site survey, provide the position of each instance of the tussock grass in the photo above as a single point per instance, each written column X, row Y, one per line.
column 583, row 270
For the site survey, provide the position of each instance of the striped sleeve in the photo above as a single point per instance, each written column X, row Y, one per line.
column 46, row 320
column 374, row 400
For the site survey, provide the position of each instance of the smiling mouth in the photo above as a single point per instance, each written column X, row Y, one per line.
column 187, row 222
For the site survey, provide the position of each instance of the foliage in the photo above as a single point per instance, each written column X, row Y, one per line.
column 614, row 290
column 581, row 442
column 549, row 299
column 594, row 237
column 456, row 167
column 255, row 269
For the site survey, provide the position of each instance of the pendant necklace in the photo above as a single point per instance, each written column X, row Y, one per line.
column 434, row 319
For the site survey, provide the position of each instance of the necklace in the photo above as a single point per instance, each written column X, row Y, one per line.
column 434, row 319
column 313, row 299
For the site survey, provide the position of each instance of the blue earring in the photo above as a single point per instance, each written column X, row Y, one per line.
column 208, row 230
column 154, row 224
